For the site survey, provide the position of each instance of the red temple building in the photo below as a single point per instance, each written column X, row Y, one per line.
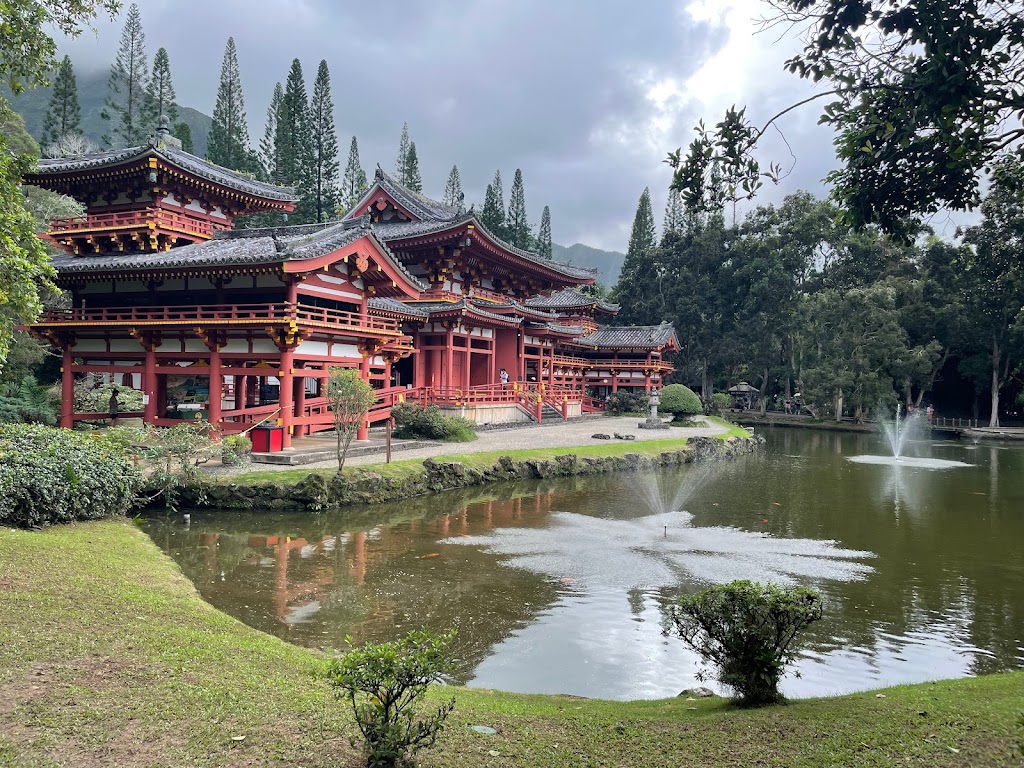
column 238, row 326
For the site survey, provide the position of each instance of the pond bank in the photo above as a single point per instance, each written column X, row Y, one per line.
column 108, row 656
column 303, row 489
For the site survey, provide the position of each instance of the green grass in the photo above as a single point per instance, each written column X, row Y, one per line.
column 484, row 460
column 109, row 657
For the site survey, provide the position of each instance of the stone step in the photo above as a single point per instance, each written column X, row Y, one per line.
column 294, row 458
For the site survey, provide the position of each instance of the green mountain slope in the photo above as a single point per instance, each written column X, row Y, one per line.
column 607, row 263
column 92, row 91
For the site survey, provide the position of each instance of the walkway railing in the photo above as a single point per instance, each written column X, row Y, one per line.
column 132, row 219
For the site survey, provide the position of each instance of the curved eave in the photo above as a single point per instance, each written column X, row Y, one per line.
column 367, row 246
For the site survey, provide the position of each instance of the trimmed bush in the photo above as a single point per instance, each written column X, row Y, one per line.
column 52, row 475
column 748, row 632
column 721, row 401
column 235, row 450
column 382, row 683
column 414, row 421
column 681, row 401
column 624, row 401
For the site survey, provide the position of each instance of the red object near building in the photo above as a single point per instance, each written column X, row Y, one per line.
column 246, row 324
column 267, row 439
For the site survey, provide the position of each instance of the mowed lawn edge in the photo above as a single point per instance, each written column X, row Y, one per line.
column 404, row 468
column 109, row 656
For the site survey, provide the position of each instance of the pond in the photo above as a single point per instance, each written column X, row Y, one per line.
column 560, row 586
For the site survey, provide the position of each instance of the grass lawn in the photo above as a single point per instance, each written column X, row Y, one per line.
column 406, row 467
column 109, row 657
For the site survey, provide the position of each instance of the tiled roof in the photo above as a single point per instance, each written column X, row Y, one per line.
column 419, row 205
column 568, row 299
column 396, row 307
column 172, row 156
column 440, row 307
column 240, row 247
column 631, row 336
column 514, row 305
column 574, row 330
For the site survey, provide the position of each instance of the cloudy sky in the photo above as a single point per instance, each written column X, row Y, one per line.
column 586, row 96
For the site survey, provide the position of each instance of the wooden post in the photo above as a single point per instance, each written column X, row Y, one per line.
column 468, row 363
column 363, row 433
column 300, row 403
column 149, row 385
column 67, row 389
column 387, row 440
column 285, row 399
column 216, row 386
column 521, row 373
column 491, row 363
column 449, row 341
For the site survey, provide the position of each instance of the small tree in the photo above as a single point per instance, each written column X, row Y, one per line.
column 680, row 400
column 350, row 398
column 748, row 632
column 382, row 684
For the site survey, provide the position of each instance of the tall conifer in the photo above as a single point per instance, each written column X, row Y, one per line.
column 673, row 223
column 636, row 278
column 413, row 180
column 324, row 147
column 229, row 133
column 125, row 104
column 517, row 226
column 453, row 189
column 493, row 214
column 544, row 234
column 401, row 162
column 64, row 115
column 353, row 184
column 160, row 92
column 294, row 143
column 268, row 144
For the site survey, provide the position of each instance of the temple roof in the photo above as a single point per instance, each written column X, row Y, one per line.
column 632, row 337
column 240, row 247
column 571, row 330
column 464, row 307
column 395, row 307
column 570, row 299
column 49, row 167
column 421, row 206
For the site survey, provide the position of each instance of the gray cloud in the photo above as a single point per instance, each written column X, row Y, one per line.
column 559, row 89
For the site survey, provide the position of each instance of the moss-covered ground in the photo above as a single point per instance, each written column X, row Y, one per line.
column 108, row 657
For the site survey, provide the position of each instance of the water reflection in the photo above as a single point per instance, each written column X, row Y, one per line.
column 558, row 586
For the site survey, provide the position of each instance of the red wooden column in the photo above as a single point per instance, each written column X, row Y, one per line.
column 469, row 361
column 521, row 373
column 67, row 389
column 363, row 433
column 418, row 362
column 285, row 399
column 449, row 343
column 491, row 378
column 149, row 385
column 551, row 367
column 300, row 403
column 216, row 385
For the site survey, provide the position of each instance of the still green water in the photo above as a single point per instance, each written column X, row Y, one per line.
column 559, row 586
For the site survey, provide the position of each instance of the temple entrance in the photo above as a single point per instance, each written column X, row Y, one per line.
column 402, row 372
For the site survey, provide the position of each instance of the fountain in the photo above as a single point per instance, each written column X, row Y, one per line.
column 898, row 433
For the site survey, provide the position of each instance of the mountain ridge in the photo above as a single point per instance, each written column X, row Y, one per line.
column 607, row 263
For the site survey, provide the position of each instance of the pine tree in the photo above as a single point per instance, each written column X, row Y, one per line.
column 294, row 141
column 635, row 280
column 125, row 103
column 544, row 234
column 453, row 189
column 493, row 214
column 159, row 99
column 401, row 168
column 517, row 226
column 64, row 114
column 229, row 133
column 268, row 144
column 673, row 223
column 413, row 180
column 353, row 184
column 183, row 133
column 324, row 147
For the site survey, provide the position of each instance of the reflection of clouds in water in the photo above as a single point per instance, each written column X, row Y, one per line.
column 914, row 462
column 633, row 554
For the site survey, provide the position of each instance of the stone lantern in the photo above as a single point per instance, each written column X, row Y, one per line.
column 653, row 422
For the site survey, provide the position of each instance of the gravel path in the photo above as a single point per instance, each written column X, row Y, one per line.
column 559, row 435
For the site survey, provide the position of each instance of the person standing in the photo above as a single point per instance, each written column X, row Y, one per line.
column 113, row 406
column 503, row 377
column 931, row 413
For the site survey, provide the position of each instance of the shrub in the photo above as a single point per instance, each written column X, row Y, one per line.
column 624, row 401
column 235, row 450
column 748, row 632
column 430, row 423
column 721, row 401
column 52, row 475
column 382, row 683
column 680, row 400
column 28, row 402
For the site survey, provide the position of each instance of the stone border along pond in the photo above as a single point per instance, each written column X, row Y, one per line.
column 320, row 491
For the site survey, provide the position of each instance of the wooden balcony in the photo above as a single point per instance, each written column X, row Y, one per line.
column 97, row 223
column 224, row 315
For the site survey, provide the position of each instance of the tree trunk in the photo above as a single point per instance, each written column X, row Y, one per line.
column 993, row 419
column 764, row 392
column 839, row 405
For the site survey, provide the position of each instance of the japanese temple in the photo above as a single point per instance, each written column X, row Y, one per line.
column 238, row 326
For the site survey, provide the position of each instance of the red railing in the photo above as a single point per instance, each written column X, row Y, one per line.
column 565, row 360
column 126, row 219
column 221, row 313
column 629, row 365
